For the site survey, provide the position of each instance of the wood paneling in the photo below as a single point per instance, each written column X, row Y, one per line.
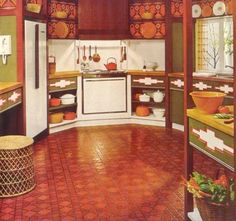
column 103, row 19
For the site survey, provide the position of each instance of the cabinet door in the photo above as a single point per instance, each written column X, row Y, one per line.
column 104, row 19
column 177, row 106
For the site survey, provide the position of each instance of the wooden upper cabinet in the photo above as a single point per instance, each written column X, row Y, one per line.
column 103, row 19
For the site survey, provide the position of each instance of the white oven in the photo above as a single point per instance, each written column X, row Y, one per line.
column 104, row 95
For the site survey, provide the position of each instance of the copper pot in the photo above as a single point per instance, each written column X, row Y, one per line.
column 69, row 115
column 53, row 102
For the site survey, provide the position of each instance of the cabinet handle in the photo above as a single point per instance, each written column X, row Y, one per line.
column 100, row 80
column 36, row 56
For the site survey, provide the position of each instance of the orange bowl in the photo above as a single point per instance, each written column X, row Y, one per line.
column 207, row 101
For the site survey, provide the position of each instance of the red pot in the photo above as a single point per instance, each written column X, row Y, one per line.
column 53, row 102
column 69, row 115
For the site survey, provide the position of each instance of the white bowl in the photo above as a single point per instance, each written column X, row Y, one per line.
column 144, row 98
column 68, row 99
column 158, row 112
column 152, row 65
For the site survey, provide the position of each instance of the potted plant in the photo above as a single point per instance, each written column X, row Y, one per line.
column 214, row 198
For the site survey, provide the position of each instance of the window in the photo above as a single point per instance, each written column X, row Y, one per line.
column 214, row 45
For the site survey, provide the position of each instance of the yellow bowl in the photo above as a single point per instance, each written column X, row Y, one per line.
column 147, row 15
column 56, row 118
column 61, row 14
column 207, row 101
column 32, row 7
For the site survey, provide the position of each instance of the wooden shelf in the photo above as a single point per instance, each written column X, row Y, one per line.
column 62, row 106
column 64, row 122
column 147, row 87
column 150, row 117
column 151, row 103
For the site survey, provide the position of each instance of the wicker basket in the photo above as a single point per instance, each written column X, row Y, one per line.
column 214, row 212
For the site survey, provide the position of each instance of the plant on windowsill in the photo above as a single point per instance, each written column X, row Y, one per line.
column 214, row 198
column 228, row 41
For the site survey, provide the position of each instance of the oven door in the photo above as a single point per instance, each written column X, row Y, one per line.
column 104, row 95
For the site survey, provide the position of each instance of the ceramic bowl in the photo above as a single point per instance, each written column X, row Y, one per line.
column 53, row 102
column 56, row 118
column 33, row 7
column 152, row 65
column 147, row 15
column 207, row 101
column 144, row 98
column 158, row 112
column 68, row 99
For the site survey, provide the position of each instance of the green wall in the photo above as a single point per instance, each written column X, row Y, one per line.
column 8, row 72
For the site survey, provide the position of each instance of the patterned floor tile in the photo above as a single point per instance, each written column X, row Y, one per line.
column 109, row 173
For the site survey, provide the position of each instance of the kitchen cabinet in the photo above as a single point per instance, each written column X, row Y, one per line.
column 11, row 96
column 147, row 84
column 104, row 19
column 59, row 86
column 177, row 106
column 62, row 19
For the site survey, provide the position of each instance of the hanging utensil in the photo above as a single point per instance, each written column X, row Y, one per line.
column 96, row 56
column 90, row 56
column 121, row 54
column 78, row 56
column 84, row 57
column 124, row 55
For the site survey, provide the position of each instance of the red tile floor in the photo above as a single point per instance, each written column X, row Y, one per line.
column 109, row 173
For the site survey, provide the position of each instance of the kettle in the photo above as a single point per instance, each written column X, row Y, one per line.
column 111, row 65
column 158, row 96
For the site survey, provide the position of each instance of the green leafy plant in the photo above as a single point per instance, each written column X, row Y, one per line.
column 219, row 191
column 228, row 41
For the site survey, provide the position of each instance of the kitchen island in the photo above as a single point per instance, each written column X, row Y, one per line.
column 212, row 136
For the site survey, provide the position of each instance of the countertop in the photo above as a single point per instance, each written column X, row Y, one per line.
column 64, row 74
column 149, row 73
column 215, row 78
column 9, row 86
column 211, row 121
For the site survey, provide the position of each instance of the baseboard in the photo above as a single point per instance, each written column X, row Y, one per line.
column 42, row 135
column 178, row 127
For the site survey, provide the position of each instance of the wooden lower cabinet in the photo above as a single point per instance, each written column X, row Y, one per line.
column 148, row 85
column 177, row 106
column 59, row 87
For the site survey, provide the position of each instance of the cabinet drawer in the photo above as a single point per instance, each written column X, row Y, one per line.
column 148, row 81
column 10, row 99
column 62, row 84
column 212, row 142
column 14, row 97
column 3, row 102
column 176, row 83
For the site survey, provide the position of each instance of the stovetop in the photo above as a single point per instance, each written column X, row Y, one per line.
column 103, row 73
